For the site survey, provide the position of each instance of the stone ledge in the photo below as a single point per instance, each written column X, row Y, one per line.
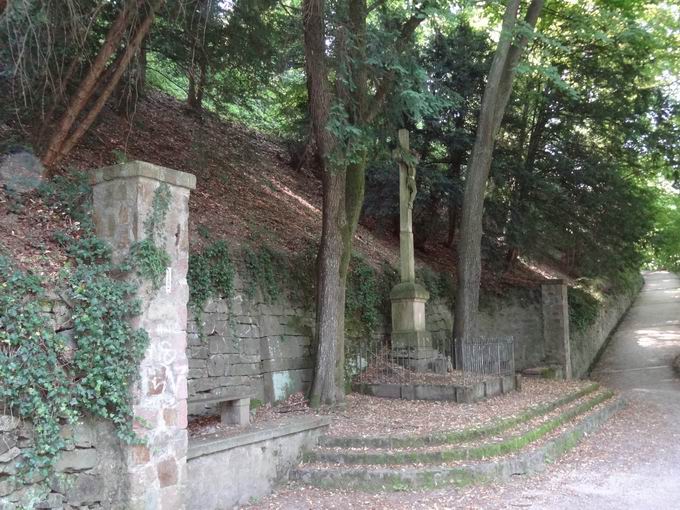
column 446, row 392
column 143, row 169
column 200, row 447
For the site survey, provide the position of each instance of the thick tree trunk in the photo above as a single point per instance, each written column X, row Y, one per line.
column 496, row 95
column 330, row 292
column 343, row 183
column 88, row 85
column 119, row 68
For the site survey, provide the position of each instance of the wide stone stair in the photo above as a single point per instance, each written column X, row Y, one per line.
column 520, row 444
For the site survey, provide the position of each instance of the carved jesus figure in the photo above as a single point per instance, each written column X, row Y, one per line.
column 411, row 184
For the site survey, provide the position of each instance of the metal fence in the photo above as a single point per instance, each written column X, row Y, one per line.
column 484, row 357
column 481, row 358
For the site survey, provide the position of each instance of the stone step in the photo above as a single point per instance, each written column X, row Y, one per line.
column 512, row 440
column 458, row 436
column 527, row 461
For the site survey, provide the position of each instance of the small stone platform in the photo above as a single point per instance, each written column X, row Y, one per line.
column 463, row 394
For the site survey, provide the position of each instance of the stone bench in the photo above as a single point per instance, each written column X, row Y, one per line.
column 234, row 407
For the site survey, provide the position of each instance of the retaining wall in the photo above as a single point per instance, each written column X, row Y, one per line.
column 90, row 473
column 587, row 343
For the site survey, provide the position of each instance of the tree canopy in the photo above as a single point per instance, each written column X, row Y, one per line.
column 545, row 131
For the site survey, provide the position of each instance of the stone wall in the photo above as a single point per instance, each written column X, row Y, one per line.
column 249, row 344
column 517, row 315
column 587, row 343
column 90, row 473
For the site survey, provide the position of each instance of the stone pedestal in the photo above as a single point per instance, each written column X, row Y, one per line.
column 123, row 197
column 555, row 308
column 411, row 342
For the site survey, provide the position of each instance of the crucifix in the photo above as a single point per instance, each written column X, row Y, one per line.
column 407, row 195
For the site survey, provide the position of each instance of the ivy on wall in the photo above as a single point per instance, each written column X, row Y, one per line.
column 51, row 379
column 56, row 378
column 210, row 275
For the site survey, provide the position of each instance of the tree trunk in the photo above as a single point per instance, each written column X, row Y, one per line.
column 496, row 95
column 343, row 183
column 88, row 85
column 198, row 64
column 329, row 291
column 119, row 68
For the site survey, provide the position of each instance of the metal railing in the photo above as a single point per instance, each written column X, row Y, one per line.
column 485, row 357
column 481, row 358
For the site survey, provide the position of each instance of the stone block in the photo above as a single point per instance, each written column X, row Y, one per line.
column 167, row 472
column 478, row 391
column 199, row 353
column 244, row 369
column 223, row 345
column 82, row 489
column 434, row 392
column 197, row 373
column 250, row 346
column 464, row 395
column 7, row 442
column 235, row 412
column 8, row 423
column 10, row 454
column 507, row 383
column 217, row 366
column 76, row 460
column 7, row 486
column 53, row 500
column 492, row 387
column 140, row 454
column 197, row 363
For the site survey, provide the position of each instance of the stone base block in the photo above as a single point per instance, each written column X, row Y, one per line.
column 420, row 359
column 235, row 412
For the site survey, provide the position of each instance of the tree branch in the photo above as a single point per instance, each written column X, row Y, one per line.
column 405, row 34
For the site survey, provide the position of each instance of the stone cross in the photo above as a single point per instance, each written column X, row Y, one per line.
column 407, row 196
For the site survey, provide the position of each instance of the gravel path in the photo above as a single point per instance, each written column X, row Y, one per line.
column 633, row 462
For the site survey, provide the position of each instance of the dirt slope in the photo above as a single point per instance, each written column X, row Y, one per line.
column 247, row 190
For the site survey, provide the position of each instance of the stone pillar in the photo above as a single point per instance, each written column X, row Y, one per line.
column 555, row 307
column 123, row 196
column 411, row 342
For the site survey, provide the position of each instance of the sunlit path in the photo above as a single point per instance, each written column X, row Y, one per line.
column 635, row 463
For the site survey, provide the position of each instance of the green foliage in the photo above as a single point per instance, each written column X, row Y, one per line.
column 211, row 274
column 148, row 256
column 363, row 297
column 302, row 275
column 150, row 261
column 263, row 267
column 51, row 382
column 663, row 251
column 439, row 285
column 583, row 308
column 367, row 301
